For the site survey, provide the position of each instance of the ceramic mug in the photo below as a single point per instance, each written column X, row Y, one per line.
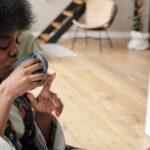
column 37, row 55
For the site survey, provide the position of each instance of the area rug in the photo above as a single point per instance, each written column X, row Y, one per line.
column 57, row 50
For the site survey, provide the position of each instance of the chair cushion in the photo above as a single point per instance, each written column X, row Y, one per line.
column 98, row 14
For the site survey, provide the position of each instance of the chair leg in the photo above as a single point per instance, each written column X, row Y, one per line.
column 86, row 38
column 109, row 39
column 100, row 42
column 75, row 37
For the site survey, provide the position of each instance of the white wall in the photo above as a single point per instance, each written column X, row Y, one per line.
column 45, row 11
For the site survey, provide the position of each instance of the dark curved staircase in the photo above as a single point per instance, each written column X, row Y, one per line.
column 63, row 22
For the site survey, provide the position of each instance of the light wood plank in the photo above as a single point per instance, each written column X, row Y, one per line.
column 68, row 13
column 56, row 25
column 104, row 95
column 45, row 37
column 79, row 2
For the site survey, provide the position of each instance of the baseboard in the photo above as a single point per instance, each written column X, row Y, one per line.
column 95, row 34
column 92, row 34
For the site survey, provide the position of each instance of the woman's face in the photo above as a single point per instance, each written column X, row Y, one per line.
column 8, row 52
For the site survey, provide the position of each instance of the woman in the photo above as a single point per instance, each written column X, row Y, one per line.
column 20, row 128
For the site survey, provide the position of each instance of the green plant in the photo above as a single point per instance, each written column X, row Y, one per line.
column 138, row 15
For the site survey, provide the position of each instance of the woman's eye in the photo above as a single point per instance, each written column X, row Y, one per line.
column 3, row 48
column 4, row 44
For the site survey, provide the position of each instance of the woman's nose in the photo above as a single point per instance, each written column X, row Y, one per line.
column 14, row 50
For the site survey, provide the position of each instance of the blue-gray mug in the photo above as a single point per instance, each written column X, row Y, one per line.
column 37, row 55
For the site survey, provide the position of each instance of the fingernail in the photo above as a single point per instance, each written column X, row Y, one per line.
column 57, row 114
column 53, row 75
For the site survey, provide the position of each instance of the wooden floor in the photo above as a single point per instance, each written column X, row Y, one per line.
column 104, row 95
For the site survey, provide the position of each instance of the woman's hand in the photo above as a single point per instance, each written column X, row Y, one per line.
column 22, row 78
column 46, row 101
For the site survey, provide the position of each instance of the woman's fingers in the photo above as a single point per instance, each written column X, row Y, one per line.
column 29, row 62
column 48, row 102
column 59, row 108
column 57, row 104
column 39, row 77
column 32, row 99
column 36, row 84
column 48, row 83
column 33, row 68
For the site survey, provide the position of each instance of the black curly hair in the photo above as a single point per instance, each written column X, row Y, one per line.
column 15, row 14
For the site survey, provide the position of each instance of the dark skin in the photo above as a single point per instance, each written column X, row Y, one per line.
column 22, row 80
